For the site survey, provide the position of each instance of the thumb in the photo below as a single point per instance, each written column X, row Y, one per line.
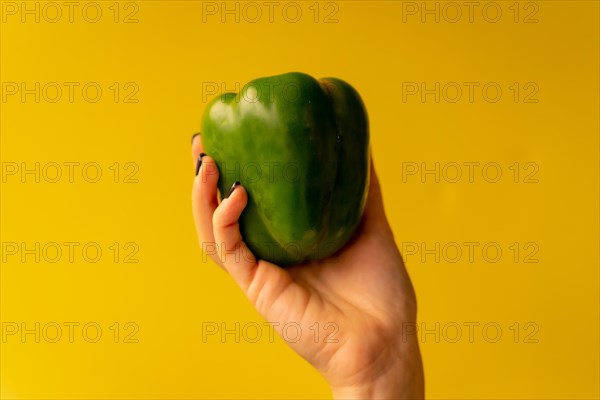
column 374, row 214
column 267, row 286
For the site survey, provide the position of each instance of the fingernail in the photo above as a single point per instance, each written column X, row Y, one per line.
column 199, row 163
column 194, row 136
column 236, row 184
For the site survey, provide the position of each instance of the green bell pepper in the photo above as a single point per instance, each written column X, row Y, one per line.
column 300, row 148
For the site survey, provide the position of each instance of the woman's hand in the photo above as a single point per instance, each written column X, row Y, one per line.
column 363, row 293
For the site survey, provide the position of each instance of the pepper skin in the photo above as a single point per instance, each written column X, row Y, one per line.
column 300, row 148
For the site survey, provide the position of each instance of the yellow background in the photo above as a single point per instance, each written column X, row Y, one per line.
column 169, row 53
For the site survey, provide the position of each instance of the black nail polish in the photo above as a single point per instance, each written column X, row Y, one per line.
column 194, row 136
column 236, row 184
column 199, row 162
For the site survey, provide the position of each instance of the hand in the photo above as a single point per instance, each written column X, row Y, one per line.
column 363, row 291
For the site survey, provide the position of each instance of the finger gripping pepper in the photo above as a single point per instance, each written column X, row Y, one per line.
column 300, row 148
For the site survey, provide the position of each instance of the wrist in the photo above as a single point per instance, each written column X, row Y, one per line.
column 390, row 390
column 405, row 381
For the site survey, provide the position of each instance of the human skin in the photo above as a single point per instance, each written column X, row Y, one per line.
column 363, row 291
